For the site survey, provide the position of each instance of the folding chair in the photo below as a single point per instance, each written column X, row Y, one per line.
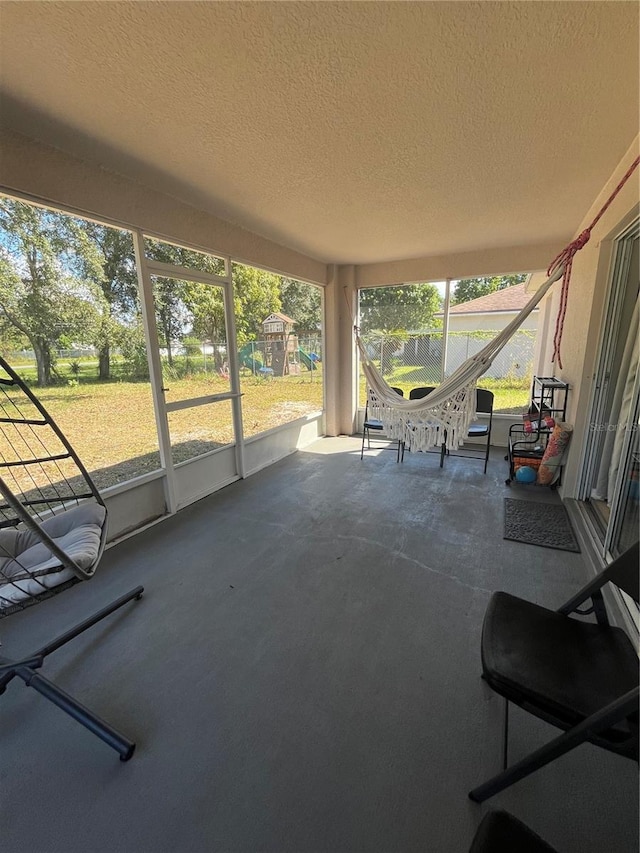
column 375, row 425
column 484, row 406
column 579, row 676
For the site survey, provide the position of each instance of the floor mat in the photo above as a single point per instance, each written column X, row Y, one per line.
column 536, row 523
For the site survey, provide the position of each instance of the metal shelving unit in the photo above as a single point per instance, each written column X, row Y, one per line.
column 528, row 440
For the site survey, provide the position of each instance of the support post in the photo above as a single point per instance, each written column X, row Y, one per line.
column 445, row 328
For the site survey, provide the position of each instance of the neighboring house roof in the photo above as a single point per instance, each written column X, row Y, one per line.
column 509, row 299
column 278, row 316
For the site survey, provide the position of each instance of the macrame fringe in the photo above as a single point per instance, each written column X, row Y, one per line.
column 431, row 427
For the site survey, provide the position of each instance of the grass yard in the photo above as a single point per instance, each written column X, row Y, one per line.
column 112, row 425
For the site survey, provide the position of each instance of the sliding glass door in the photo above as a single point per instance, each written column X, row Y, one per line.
column 610, row 473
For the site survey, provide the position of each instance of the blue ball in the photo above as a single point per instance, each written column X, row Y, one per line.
column 526, row 474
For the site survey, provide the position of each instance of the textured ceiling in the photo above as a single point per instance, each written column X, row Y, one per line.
column 354, row 132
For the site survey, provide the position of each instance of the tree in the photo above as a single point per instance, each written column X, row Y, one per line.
column 206, row 306
column 256, row 295
column 472, row 288
column 171, row 312
column 41, row 294
column 11, row 339
column 118, row 281
column 180, row 304
column 303, row 303
column 409, row 307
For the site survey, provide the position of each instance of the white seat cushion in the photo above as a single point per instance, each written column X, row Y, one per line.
column 27, row 566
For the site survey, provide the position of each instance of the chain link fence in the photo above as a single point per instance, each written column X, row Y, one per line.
column 515, row 360
column 425, row 353
column 191, row 356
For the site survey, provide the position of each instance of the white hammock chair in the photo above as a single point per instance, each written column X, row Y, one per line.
column 444, row 416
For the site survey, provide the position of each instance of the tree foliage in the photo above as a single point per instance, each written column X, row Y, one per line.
column 386, row 342
column 117, row 278
column 256, row 295
column 172, row 313
column 409, row 307
column 66, row 280
column 42, row 292
column 472, row 288
column 184, row 308
column 303, row 303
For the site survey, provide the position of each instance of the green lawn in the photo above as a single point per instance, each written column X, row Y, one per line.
column 112, row 424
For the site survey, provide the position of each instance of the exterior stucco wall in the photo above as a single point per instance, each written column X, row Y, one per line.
column 489, row 322
column 586, row 303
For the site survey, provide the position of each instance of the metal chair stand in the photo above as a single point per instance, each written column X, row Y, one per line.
column 25, row 669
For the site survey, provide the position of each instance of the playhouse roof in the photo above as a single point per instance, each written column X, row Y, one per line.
column 277, row 315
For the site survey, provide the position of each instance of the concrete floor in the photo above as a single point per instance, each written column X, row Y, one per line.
column 301, row 675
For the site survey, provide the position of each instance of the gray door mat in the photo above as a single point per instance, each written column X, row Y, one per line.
column 541, row 524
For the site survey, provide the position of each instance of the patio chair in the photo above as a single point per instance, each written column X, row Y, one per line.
column 53, row 527
column 377, row 426
column 501, row 832
column 579, row 676
column 484, row 406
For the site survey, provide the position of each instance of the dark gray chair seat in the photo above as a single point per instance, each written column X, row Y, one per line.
column 559, row 665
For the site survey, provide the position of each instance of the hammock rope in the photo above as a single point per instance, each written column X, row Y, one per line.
column 444, row 416
column 565, row 260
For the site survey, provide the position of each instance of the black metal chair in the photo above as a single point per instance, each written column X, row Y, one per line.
column 579, row 676
column 377, row 426
column 484, row 406
column 501, row 832
column 421, row 392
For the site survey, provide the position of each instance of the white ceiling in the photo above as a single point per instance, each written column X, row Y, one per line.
column 351, row 131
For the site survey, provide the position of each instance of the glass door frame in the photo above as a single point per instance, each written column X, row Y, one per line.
column 612, row 317
column 147, row 268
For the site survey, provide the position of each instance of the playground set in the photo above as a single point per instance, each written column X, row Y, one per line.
column 279, row 354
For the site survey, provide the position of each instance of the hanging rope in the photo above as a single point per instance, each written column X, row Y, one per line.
column 565, row 258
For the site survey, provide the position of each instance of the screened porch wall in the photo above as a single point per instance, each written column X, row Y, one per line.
column 39, row 173
column 51, row 175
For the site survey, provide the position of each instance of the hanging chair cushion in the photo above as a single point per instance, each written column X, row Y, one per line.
column 27, row 566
